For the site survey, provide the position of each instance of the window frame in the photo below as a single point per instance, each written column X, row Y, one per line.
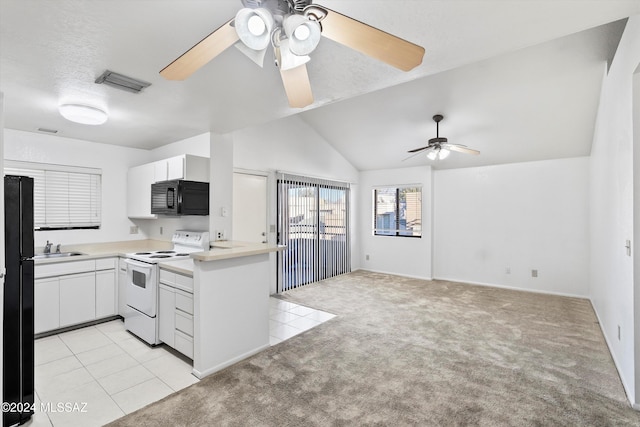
column 396, row 231
column 93, row 177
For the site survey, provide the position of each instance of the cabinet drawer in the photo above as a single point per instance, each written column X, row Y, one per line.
column 62, row 268
column 184, row 282
column 167, row 277
column 105, row 263
column 184, row 344
column 184, row 301
column 184, row 323
column 122, row 265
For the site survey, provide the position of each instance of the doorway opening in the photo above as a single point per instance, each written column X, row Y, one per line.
column 313, row 223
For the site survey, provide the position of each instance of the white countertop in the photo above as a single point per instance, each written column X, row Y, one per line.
column 106, row 250
column 182, row 266
column 233, row 249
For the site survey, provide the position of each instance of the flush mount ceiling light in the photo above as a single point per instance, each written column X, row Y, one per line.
column 293, row 28
column 83, row 114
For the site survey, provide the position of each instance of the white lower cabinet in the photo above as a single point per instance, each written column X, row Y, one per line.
column 175, row 311
column 166, row 315
column 122, row 286
column 77, row 298
column 72, row 293
column 105, row 293
column 47, row 304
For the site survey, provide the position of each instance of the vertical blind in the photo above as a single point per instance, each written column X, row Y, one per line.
column 313, row 223
column 63, row 196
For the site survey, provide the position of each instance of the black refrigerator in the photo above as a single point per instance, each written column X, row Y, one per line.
column 18, row 339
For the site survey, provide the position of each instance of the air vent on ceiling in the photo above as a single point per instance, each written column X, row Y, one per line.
column 47, row 130
column 123, row 82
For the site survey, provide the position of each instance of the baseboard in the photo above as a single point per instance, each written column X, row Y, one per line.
column 394, row 274
column 635, row 406
column 233, row 361
column 514, row 288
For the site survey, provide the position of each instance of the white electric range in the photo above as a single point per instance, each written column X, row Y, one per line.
column 142, row 281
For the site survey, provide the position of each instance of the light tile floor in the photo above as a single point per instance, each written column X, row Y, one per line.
column 115, row 373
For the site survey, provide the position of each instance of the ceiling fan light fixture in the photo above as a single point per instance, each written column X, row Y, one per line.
column 303, row 34
column 431, row 155
column 286, row 59
column 443, row 153
column 254, row 27
column 256, row 56
column 83, row 114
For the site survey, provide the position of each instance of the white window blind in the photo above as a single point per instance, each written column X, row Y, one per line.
column 64, row 196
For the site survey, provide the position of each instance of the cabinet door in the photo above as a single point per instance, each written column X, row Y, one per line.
column 175, row 167
column 47, row 304
column 122, row 299
column 77, row 298
column 160, row 171
column 166, row 315
column 139, row 180
column 105, row 293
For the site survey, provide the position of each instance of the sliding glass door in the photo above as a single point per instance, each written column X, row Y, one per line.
column 313, row 222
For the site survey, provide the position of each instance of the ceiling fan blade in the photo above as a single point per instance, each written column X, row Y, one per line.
column 297, row 86
column 370, row 40
column 204, row 51
column 417, row 150
column 411, row 156
column 460, row 149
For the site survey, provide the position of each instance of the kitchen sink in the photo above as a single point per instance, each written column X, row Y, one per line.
column 57, row 255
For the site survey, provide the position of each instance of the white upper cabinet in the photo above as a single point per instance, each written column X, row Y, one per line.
column 186, row 166
column 140, row 178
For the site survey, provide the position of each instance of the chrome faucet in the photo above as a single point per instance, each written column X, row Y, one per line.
column 47, row 247
column 58, row 248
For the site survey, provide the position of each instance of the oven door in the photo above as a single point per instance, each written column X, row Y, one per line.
column 141, row 288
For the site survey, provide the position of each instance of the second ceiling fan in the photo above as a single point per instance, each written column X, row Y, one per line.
column 440, row 147
column 293, row 28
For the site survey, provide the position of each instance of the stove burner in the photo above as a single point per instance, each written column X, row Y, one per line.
column 182, row 254
column 160, row 256
column 142, row 253
column 165, row 252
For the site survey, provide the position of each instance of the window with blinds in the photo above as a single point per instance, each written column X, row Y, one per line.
column 64, row 197
column 313, row 223
column 397, row 211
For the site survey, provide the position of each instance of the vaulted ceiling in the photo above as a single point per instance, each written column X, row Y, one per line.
column 519, row 80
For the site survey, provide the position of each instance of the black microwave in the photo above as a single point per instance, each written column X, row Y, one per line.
column 180, row 197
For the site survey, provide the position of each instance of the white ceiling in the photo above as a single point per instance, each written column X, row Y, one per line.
column 518, row 80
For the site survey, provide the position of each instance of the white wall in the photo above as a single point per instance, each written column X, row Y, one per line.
column 290, row 145
column 611, row 195
column 395, row 255
column 114, row 162
column 521, row 217
column 196, row 146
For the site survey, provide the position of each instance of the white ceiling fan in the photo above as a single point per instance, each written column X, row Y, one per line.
column 440, row 147
column 293, row 28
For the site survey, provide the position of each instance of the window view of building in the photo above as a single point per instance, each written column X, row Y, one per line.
column 397, row 211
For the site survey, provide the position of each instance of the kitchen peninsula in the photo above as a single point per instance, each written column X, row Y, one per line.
column 231, row 304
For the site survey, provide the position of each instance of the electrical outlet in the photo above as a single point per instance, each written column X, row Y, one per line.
column 161, row 231
column 133, row 229
column 534, row 273
column 366, row 257
column 618, row 332
column 507, row 270
column 220, row 235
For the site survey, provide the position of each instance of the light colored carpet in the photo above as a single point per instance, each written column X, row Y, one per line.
column 412, row 352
